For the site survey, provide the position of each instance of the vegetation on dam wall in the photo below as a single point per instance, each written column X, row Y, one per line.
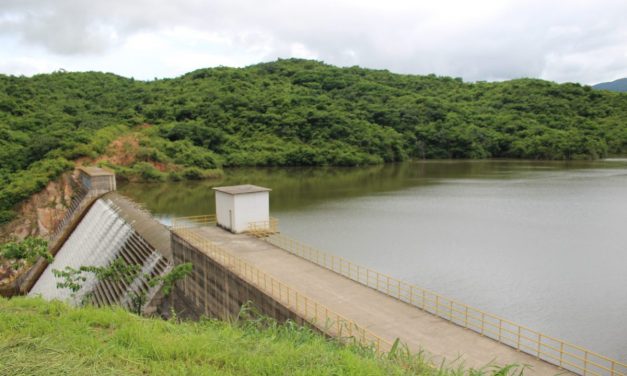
column 288, row 112
column 51, row 338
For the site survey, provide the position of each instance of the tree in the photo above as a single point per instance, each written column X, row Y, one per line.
column 121, row 271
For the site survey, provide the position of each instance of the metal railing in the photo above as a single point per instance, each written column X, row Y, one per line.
column 258, row 228
column 318, row 315
column 193, row 221
column 550, row 349
column 263, row 228
column 80, row 199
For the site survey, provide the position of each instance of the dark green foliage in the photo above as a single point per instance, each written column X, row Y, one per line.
column 147, row 172
column 6, row 216
column 291, row 112
column 120, row 271
column 176, row 274
column 193, row 173
column 29, row 249
column 23, row 183
column 71, row 279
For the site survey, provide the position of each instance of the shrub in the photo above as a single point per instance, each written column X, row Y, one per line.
column 175, row 176
column 193, row 173
column 146, row 171
column 7, row 216
column 28, row 249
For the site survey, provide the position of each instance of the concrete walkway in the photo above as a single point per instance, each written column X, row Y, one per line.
column 379, row 313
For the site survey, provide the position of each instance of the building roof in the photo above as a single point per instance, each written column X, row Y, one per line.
column 241, row 189
column 95, row 171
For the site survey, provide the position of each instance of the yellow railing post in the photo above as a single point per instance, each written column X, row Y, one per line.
column 539, row 344
column 500, row 329
column 561, row 353
column 451, row 312
column 437, row 305
column 518, row 343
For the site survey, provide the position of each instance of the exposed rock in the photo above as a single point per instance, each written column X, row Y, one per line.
column 40, row 214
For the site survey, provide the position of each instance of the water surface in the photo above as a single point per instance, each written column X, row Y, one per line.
column 541, row 243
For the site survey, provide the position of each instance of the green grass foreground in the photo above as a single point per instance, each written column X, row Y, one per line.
column 42, row 338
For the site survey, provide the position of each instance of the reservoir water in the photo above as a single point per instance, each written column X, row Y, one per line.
column 543, row 244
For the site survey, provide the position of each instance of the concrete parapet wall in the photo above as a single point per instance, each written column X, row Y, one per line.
column 214, row 291
column 97, row 179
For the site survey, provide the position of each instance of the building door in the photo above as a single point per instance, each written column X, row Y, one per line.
column 230, row 219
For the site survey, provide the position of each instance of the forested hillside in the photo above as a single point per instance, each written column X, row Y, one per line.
column 289, row 112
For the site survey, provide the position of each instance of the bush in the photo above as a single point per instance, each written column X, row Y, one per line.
column 175, row 176
column 28, row 249
column 146, row 171
column 27, row 182
column 7, row 216
column 193, row 173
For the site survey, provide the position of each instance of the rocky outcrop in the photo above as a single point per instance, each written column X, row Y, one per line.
column 37, row 216
column 42, row 212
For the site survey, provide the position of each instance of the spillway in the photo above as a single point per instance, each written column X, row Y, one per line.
column 113, row 228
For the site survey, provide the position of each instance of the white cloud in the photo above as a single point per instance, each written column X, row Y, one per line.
column 584, row 41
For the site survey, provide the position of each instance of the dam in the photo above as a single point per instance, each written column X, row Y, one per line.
column 375, row 314
column 349, row 301
column 286, row 279
column 107, row 227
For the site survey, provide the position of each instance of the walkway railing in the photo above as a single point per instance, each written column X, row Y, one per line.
column 263, row 228
column 259, row 228
column 193, row 221
column 81, row 199
column 316, row 314
column 555, row 351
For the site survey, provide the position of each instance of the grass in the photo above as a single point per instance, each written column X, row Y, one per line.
column 51, row 338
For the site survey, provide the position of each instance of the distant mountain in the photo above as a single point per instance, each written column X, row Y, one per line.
column 618, row 85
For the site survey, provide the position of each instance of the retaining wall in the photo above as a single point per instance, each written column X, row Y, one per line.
column 215, row 291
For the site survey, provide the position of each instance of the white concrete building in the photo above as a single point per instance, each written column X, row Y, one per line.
column 239, row 205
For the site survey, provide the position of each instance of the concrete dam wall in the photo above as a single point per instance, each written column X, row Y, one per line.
column 215, row 291
column 113, row 228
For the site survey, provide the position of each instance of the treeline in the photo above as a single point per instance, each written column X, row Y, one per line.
column 293, row 112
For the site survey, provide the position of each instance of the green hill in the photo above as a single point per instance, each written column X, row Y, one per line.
column 42, row 338
column 619, row 85
column 288, row 112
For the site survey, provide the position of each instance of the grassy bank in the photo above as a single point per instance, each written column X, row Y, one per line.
column 41, row 338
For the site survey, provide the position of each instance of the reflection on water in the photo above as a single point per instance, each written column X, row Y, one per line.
column 296, row 188
column 541, row 243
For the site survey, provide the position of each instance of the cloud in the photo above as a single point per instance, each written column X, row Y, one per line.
column 583, row 41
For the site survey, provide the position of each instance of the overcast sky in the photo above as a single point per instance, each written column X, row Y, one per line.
column 568, row 40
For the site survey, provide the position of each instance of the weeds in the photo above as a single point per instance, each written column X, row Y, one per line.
column 51, row 338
